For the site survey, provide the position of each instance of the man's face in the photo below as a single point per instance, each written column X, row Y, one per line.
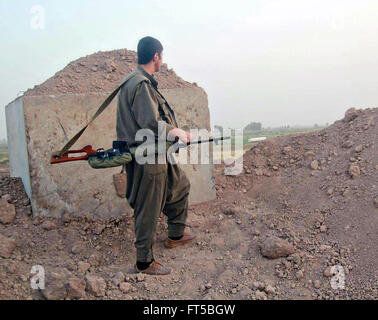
column 158, row 60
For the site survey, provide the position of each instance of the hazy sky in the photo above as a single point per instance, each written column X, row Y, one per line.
column 280, row 62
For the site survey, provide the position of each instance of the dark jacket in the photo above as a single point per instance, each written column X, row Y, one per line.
column 141, row 106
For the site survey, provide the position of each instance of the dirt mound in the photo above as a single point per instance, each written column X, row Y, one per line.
column 101, row 72
column 301, row 201
column 319, row 191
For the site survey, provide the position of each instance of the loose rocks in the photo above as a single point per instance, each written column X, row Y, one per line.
column 274, row 247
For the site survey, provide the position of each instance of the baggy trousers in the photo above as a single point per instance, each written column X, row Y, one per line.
column 152, row 189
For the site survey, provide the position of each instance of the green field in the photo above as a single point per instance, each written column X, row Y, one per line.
column 271, row 133
column 268, row 133
column 4, row 154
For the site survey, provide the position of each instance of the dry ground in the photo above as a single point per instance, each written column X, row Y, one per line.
column 303, row 188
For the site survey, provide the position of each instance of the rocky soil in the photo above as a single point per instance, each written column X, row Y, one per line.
column 102, row 72
column 303, row 204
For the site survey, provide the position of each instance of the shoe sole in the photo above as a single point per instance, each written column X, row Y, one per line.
column 175, row 245
column 151, row 274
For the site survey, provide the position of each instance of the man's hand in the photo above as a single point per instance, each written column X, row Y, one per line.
column 181, row 134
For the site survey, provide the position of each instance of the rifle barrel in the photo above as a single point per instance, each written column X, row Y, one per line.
column 183, row 145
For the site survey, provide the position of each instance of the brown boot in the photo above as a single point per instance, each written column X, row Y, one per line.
column 187, row 238
column 155, row 268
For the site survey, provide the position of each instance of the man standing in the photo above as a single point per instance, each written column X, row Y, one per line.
column 152, row 188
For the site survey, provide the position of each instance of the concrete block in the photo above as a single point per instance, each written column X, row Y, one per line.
column 34, row 132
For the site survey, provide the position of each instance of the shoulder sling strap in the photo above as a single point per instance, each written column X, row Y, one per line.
column 107, row 101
